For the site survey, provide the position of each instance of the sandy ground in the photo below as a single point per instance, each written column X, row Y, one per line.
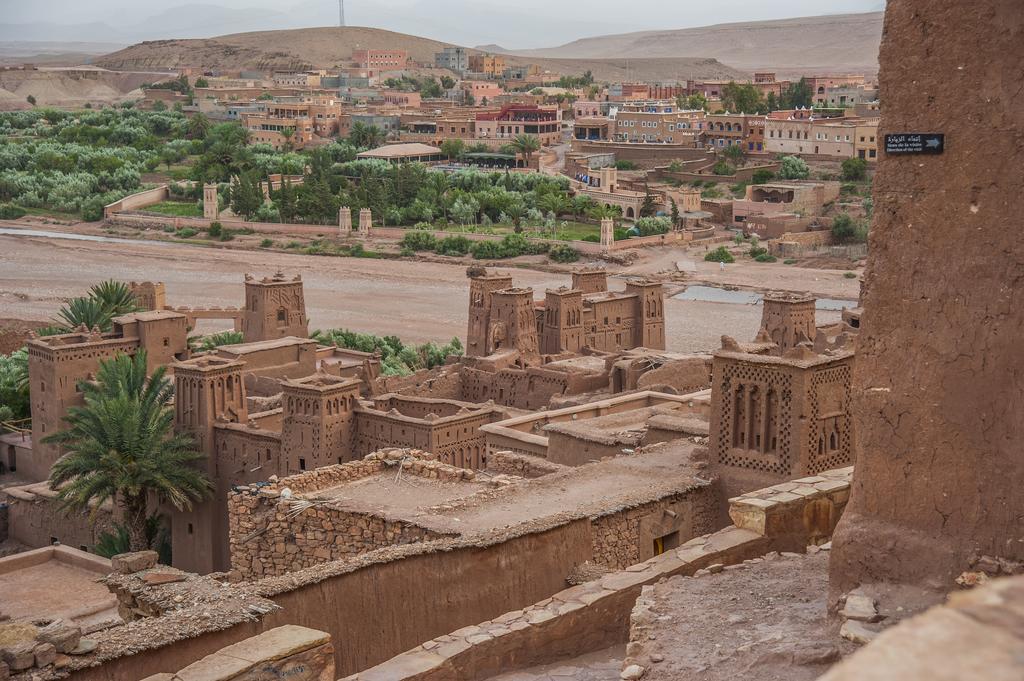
column 766, row 621
column 418, row 301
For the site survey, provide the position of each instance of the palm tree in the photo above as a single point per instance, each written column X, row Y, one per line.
column 526, row 145
column 366, row 136
column 121, row 447
column 554, row 203
column 581, row 203
column 105, row 301
column 600, row 211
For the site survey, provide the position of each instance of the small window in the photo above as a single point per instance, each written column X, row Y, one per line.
column 54, row 540
column 302, row 464
column 190, row 529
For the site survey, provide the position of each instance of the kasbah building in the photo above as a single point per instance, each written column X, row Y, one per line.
column 830, row 502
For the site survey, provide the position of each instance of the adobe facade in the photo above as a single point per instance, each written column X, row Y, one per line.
column 588, row 315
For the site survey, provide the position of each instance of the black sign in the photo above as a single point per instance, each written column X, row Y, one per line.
column 915, row 143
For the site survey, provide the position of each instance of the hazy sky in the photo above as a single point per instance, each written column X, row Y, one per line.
column 515, row 23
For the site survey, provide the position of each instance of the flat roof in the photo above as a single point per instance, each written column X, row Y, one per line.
column 400, row 150
column 257, row 346
column 57, row 582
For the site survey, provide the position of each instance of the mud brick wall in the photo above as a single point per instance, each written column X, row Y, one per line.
column 523, row 465
column 626, row 537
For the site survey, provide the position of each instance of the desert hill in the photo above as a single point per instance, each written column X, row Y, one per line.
column 307, row 48
column 847, row 42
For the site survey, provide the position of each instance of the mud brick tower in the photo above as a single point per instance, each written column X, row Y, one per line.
column 275, row 307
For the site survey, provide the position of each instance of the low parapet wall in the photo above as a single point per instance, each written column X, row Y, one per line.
column 595, row 615
column 138, row 201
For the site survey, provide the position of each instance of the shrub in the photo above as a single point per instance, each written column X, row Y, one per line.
column 592, row 238
column 562, row 253
column 293, row 244
column 92, row 209
column 488, row 250
column 453, row 245
column 762, row 176
column 186, row 233
column 652, row 226
column 9, row 211
column 419, row 240
column 266, row 243
column 854, row 169
column 723, row 168
column 789, row 261
column 720, row 254
column 215, row 229
column 794, row 168
column 227, row 235
column 843, row 228
column 850, row 275
column 625, row 165
column 765, row 257
column 756, row 252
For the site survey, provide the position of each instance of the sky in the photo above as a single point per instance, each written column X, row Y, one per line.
column 511, row 24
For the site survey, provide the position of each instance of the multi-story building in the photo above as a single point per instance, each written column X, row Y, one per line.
column 480, row 91
column 657, row 122
column 820, row 84
column 586, row 314
column 866, row 139
column 726, row 130
column 544, row 122
column 490, row 65
column 401, row 98
column 307, row 79
column 452, row 58
column 293, row 121
column 845, row 96
column 383, row 60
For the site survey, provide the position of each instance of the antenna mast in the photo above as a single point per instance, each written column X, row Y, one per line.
column 341, row 12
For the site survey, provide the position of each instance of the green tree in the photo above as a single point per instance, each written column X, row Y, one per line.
column 453, row 148
column 555, row 203
column 844, row 228
column 771, row 102
column 430, row 89
column 198, row 127
column 648, row 207
column 526, row 145
column 675, row 212
column 31, row 100
column 246, row 195
column 159, row 105
column 202, row 82
column 797, row 95
column 854, row 169
column 742, row 98
column 14, row 384
column 794, row 168
column 447, row 82
column 288, row 133
column 735, row 153
column 105, row 301
column 366, row 136
column 121, row 447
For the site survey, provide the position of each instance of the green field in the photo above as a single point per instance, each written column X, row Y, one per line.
column 178, row 209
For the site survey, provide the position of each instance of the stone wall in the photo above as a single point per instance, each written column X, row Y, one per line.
column 523, row 465
column 271, row 534
column 35, row 519
column 627, row 536
column 591, row 616
column 287, row 652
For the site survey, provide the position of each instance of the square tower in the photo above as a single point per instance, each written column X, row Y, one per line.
column 779, row 418
column 513, row 322
column 149, row 295
column 649, row 328
column 207, row 390
column 590, row 280
column 788, row 319
column 275, row 307
column 481, row 285
column 319, row 421
column 562, row 321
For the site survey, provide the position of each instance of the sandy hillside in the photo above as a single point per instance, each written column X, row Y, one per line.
column 68, row 87
column 842, row 41
column 329, row 47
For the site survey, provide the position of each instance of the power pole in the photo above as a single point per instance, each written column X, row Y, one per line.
column 341, row 13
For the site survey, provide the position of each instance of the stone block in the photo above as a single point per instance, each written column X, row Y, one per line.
column 62, row 634
column 45, row 654
column 19, row 656
column 127, row 563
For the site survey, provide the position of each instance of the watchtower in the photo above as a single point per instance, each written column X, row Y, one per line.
column 275, row 307
column 590, row 280
column 649, row 327
column 481, row 285
column 788, row 319
column 319, row 421
column 513, row 322
column 563, row 321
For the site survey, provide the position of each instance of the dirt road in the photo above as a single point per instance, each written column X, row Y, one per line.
column 417, row 301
